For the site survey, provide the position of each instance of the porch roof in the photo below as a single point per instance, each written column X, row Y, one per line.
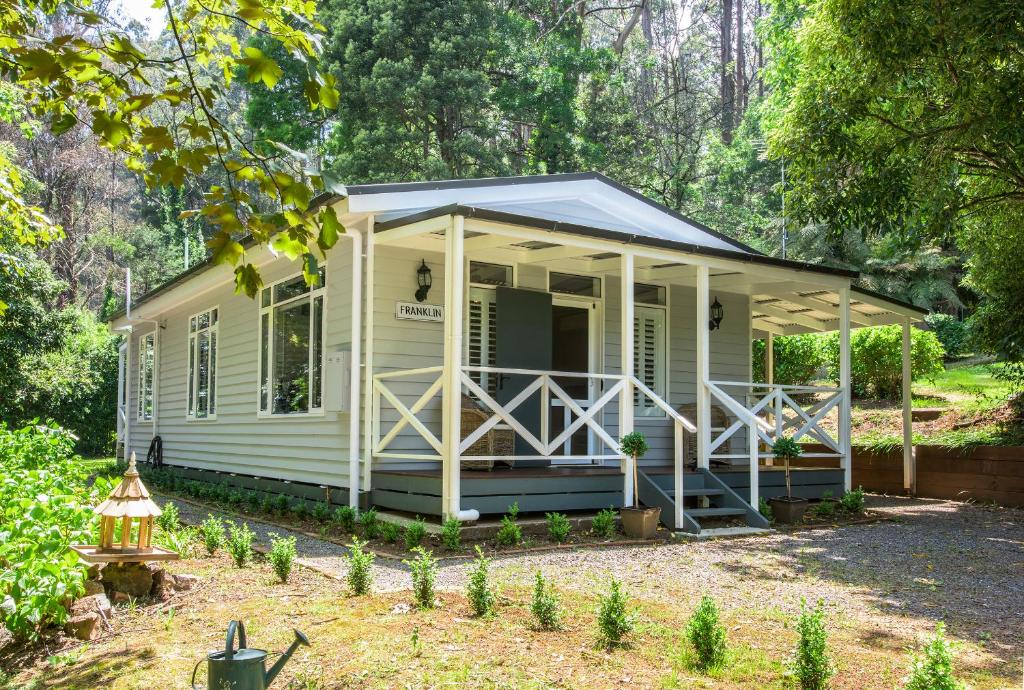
column 779, row 307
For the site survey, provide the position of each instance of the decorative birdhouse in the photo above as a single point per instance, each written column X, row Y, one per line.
column 128, row 505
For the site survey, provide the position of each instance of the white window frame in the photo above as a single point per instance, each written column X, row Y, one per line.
column 312, row 294
column 147, row 343
column 652, row 411
column 192, row 377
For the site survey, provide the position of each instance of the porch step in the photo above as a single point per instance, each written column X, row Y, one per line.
column 725, row 532
column 714, row 512
column 700, row 492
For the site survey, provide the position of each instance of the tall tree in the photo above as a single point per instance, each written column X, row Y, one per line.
column 728, row 87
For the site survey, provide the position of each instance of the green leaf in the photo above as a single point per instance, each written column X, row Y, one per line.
column 247, row 280
column 261, row 67
column 330, row 227
column 309, row 269
column 224, row 249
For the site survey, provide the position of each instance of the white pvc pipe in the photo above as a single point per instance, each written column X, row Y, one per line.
column 355, row 382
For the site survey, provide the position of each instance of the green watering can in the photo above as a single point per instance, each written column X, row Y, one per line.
column 242, row 668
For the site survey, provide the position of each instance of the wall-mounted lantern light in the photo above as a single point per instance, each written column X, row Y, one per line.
column 716, row 312
column 423, row 280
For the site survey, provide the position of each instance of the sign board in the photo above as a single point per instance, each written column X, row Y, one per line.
column 413, row 311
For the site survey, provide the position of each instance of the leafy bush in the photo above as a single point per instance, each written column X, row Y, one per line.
column 253, row 499
column 786, row 447
column 240, row 539
column 853, row 501
column 345, row 518
column 933, row 670
column 510, row 534
column 634, row 444
column 267, row 504
column 300, row 509
column 370, row 523
column 558, row 526
column 235, row 498
column 281, row 505
column 451, row 534
column 415, row 532
column 360, row 568
column 44, row 506
column 614, row 622
column 811, row 665
column 281, row 556
column 544, row 605
column 798, row 359
column 707, row 635
column 765, row 509
column 183, row 541
column 424, row 572
column 604, row 523
column 169, row 520
column 212, row 531
column 825, row 509
column 953, row 333
column 389, row 532
column 481, row 598
column 321, row 512
column 876, row 359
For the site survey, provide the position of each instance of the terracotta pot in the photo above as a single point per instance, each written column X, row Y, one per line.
column 640, row 523
column 788, row 510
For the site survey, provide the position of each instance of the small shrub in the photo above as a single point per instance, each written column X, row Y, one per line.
column 933, row 669
column 811, row 665
column 424, row 572
column 212, row 531
column 481, row 598
column 765, row 509
column 370, row 523
column 267, row 504
column 300, row 510
column 184, row 541
column 281, row 556
column 853, row 501
column 360, row 568
column 876, row 359
column 558, row 526
column 451, row 534
column 798, row 359
column 235, row 498
column 281, row 504
column 345, row 518
column 240, row 539
column 321, row 512
column 544, row 605
column 389, row 532
column 169, row 520
column 253, row 499
column 614, row 622
column 634, row 444
column 415, row 532
column 824, row 509
column 510, row 534
column 707, row 635
column 604, row 523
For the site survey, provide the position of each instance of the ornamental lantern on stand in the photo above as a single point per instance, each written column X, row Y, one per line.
column 128, row 504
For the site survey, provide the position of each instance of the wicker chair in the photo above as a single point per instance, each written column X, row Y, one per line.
column 498, row 441
column 719, row 422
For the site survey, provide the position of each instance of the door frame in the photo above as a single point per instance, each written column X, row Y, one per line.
column 595, row 360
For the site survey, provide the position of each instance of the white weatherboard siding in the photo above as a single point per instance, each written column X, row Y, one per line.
column 308, row 448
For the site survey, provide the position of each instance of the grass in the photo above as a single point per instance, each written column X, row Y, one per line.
column 378, row 642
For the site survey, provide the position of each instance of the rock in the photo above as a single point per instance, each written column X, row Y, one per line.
column 93, row 587
column 133, row 579
column 185, row 582
column 84, row 626
column 121, row 598
column 97, row 603
column 163, row 585
column 93, row 573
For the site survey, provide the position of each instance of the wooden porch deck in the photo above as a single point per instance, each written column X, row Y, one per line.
column 569, row 488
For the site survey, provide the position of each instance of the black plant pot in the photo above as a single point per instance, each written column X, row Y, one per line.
column 788, row 510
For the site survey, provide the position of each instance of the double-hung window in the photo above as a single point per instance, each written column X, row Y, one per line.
column 291, row 347
column 202, row 365
column 147, row 360
column 650, row 361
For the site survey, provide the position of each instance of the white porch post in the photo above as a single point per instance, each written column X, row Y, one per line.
column 368, row 360
column 769, row 376
column 703, row 367
column 451, row 433
column 626, row 366
column 355, row 383
column 909, row 468
column 844, row 384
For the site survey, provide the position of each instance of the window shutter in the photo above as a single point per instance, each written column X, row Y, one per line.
column 483, row 325
column 649, row 356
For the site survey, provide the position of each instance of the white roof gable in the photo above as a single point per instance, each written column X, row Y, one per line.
column 588, row 199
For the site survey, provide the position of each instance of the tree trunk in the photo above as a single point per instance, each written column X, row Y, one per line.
column 725, row 72
column 741, row 66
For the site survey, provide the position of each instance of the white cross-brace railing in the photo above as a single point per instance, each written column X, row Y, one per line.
column 407, row 415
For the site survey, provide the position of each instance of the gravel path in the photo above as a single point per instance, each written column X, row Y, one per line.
column 933, row 560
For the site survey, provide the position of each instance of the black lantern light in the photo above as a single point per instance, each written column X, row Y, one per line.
column 423, row 280
column 716, row 312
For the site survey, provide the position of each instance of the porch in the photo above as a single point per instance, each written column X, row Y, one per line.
column 553, row 405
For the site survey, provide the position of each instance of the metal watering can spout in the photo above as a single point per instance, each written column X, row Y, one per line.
column 300, row 639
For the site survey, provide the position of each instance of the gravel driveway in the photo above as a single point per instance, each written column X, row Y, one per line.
column 933, row 560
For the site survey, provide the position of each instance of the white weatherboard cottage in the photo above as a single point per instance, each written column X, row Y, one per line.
column 478, row 342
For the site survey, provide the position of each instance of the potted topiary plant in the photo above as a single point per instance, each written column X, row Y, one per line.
column 638, row 522
column 786, row 508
